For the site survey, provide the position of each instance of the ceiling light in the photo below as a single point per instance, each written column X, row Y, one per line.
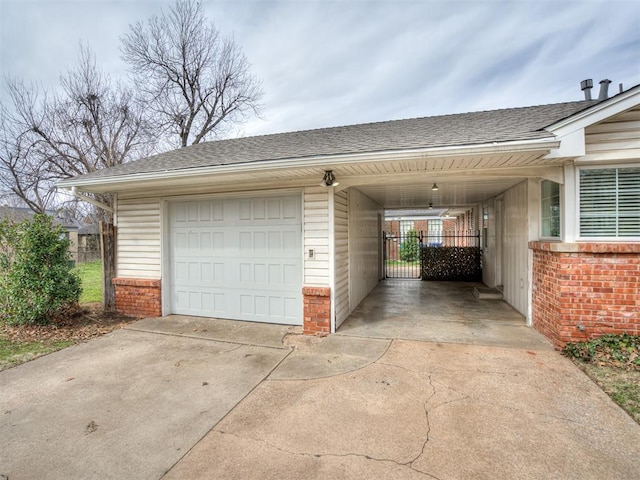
column 329, row 179
column 435, row 187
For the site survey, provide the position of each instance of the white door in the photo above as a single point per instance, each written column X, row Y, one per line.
column 237, row 258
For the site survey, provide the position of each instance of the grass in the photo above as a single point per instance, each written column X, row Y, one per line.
column 91, row 276
column 13, row 353
column 400, row 263
column 613, row 362
column 622, row 386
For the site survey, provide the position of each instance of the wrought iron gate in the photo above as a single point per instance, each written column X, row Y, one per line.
column 402, row 254
column 416, row 254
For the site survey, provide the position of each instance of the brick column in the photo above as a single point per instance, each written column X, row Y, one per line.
column 138, row 297
column 317, row 310
column 585, row 290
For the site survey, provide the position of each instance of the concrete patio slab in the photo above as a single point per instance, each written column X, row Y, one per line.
column 126, row 405
column 445, row 312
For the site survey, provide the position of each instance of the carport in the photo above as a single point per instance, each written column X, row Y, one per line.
column 497, row 210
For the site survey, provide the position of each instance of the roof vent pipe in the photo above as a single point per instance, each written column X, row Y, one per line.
column 586, row 86
column 604, row 89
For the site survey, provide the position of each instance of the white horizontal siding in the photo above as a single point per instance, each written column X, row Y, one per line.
column 364, row 246
column 139, row 238
column 515, row 249
column 341, row 252
column 316, row 236
column 617, row 138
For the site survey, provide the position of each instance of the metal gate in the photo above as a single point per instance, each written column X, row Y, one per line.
column 404, row 253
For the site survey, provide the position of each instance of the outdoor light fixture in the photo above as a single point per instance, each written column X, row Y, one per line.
column 435, row 187
column 329, row 179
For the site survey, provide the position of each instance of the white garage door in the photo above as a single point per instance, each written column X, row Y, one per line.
column 237, row 258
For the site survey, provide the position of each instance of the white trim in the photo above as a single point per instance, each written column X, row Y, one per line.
column 571, row 131
column 243, row 194
column 332, row 258
column 90, row 200
column 165, row 273
column 320, row 161
column 598, row 112
column 569, row 211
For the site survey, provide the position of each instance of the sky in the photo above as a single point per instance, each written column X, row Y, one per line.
column 327, row 63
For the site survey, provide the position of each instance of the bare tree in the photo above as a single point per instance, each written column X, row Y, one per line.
column 197, row 83
column 92, row 124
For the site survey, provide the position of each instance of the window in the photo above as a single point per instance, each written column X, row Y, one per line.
column 610, row 202
column 405, row 226
column 550, row 215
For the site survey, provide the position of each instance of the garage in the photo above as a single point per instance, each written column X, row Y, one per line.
column 237, row 258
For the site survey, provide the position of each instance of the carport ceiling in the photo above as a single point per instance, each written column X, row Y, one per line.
column 453, row 192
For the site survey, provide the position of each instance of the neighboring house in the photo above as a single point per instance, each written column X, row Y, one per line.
column 69, row 225
column 241, row 228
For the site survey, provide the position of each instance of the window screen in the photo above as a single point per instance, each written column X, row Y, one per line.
column 610, row 202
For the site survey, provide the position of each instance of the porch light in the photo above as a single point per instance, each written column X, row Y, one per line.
column 329, row 179
column 435, row 187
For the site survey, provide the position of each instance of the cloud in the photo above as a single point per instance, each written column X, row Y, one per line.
column 326, row 63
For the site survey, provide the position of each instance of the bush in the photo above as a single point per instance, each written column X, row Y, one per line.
column 410, row 248
column 37, row 283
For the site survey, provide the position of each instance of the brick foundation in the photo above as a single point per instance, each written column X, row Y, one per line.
column 138, row 297
column 317, row 310
column 585, row 290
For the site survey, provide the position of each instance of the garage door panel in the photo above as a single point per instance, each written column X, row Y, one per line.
column 237, row 258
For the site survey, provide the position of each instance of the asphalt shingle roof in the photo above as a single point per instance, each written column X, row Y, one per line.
column 20, row 214
column 512, row 124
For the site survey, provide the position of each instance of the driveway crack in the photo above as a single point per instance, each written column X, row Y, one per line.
column 408, row 464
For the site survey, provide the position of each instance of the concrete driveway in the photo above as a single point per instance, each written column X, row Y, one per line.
column 179, row 397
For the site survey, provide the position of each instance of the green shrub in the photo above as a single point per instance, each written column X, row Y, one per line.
column 410, row 248
column 37, row 283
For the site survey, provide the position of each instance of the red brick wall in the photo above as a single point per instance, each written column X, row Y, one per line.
column 392, row 226
column 585, row 290
column 317, row 310
column 138, row 297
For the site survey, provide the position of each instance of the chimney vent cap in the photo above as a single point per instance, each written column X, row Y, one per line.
column 588, row 83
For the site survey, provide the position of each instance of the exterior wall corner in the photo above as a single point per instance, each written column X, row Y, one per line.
column 317, row 310
column 582, row 291
column 138, row 297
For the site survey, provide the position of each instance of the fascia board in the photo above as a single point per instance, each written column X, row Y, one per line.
column 317, row 161
column 601, row 111
column 571, row 131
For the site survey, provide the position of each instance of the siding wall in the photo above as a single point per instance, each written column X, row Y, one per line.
column 139, row 232
column 364, row 246
column 617, row 138
column 341, row 235
column 515, row 247
column 316, row 236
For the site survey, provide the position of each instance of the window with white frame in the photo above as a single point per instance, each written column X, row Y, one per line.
column 610, row 202
column 550, row 214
